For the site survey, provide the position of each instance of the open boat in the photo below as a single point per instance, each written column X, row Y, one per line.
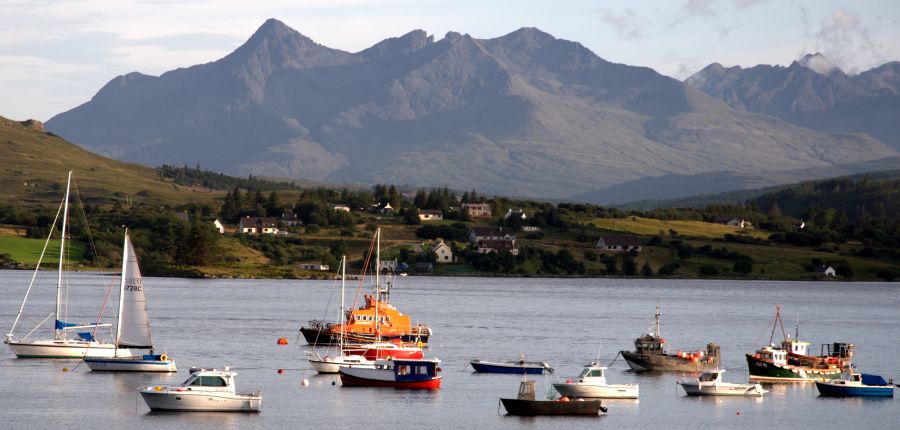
column 206, row 390
column 791, row 362
column 378, row 350
column 591, row 383
column 416, row 374
column 132, row 326
column 518, row 367
column 61, row 345
column 651, row 353
column 526, row 405
column 710, row 383
column 856, row 385
column 374, row 321
column 329, row 364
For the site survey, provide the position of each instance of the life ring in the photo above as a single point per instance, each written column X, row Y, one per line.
column 163, row 357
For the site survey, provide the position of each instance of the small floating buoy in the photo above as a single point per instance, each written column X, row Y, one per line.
column 282, row 341
column 739, row 413
column 280, row 371
column 65, row 369
column 305, row 382
column 333, row 383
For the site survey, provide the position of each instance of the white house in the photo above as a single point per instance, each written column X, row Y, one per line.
column 430, row 215
column 218, row 226
column 318, row 267
column 443, row 252
column 621, row 243
column 258, row 225
column 825, row 270
column 493, row 239
column 341, row 208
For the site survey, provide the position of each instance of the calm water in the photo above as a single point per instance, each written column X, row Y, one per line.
column 563, row 321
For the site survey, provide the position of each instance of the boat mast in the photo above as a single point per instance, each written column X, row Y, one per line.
column 58, row 334
column 377, row 278
column 657, row 320
column 340, row 319
column 125, row 257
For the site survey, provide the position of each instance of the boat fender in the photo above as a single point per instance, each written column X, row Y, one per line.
column 163, row 357
column 157, row 388
column 563, row 399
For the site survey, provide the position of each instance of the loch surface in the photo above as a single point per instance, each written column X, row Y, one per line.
column 566, row 322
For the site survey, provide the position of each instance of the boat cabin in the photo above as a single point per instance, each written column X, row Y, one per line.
column 777, row 356
column 710, row 376
column 594, row 374
column 374, row 312
column 649, row 344
column 526, row 391
column 210, row 380
column 797, row 347
column 411, row 370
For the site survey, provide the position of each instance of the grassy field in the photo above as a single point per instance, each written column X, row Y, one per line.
column 28, row 251
column 650, row 227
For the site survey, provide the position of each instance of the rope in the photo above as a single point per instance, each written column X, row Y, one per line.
column 614, row 359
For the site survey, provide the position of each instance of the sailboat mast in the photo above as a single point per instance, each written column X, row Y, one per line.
column 125, row 257
column 62, row 256
column 341, row 319
column 377, row 278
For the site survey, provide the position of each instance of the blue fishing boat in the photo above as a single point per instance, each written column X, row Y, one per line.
column 857, row 385
column 516, row 367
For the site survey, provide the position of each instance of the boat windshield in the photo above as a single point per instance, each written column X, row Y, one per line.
column 207, row 381
column 591, row 373
column 708, row 376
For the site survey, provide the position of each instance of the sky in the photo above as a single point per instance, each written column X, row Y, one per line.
column 56, row 54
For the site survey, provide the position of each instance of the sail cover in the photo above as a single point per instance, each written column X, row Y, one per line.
column 134, row 330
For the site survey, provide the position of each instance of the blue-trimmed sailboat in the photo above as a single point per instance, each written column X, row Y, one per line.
column 62, row 345
column 132, row 326
column 857, row 385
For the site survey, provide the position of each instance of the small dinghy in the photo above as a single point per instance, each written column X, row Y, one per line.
column 710, row 383
column 526, row 405
column 206, row 390
column 857, row 385
column 516, row 367
column 591, row 383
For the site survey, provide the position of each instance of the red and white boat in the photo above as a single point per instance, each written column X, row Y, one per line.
column 379, row 350
column 414, row 374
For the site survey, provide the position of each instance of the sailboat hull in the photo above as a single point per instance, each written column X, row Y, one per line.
column 129, row 364
column 61, row 349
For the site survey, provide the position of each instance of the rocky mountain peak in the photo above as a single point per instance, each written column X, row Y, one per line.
column 820, row 64
column 395, row 46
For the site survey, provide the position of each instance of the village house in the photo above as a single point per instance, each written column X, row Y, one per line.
column 515, row 213
column 384, row 208
column 443, row 253
column 430, row 215
column 478, row 210
column 825, row 271
column 734, row 222
column 530, row 228
column 290, row 219
column 341, row 208
column 317, row 267
column 619, row 243
column 258, row 225
column 218, row 226
column 387, row 265
column 493, row 239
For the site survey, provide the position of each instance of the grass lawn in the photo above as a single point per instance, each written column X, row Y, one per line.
column 28, row 251
column 650, row 227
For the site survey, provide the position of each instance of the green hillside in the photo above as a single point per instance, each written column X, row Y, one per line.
column 35, row 164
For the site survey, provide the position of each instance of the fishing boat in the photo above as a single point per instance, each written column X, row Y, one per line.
column 856, row 385
column 132, row 325
column 790, row 361
column 415, row 374
column 63, row 344
column 591, row 383
column 517, row 367
column 526, row 405
column 206, row 390
column 710, row 383
column 375, row 320
column 329, row 364
column 651, row 353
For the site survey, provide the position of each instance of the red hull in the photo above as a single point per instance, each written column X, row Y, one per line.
column 431, row 384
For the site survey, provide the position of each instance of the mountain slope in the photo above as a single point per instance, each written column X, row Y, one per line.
column 522, row 114
column 41, row 160
column 813, row 93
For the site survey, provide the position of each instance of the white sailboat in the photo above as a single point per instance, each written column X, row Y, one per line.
column 329, row 364
column 61, row 345
column 133, row 325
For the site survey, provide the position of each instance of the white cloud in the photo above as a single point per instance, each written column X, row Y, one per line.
column 847, row 42
column 628, row 25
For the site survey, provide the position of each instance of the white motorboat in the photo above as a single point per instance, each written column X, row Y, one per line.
column 710, row 383
column 206, row 390
column 591, row 383
column 62, row 345
column 132, row 326
column 334, row 364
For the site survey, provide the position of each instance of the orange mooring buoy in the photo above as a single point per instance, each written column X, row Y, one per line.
column 282, row 341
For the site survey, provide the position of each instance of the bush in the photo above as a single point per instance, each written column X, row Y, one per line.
column 743, row 266
column 709, row 270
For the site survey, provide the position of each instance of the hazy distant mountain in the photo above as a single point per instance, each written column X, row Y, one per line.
column 522, row 114
column 812, row 92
